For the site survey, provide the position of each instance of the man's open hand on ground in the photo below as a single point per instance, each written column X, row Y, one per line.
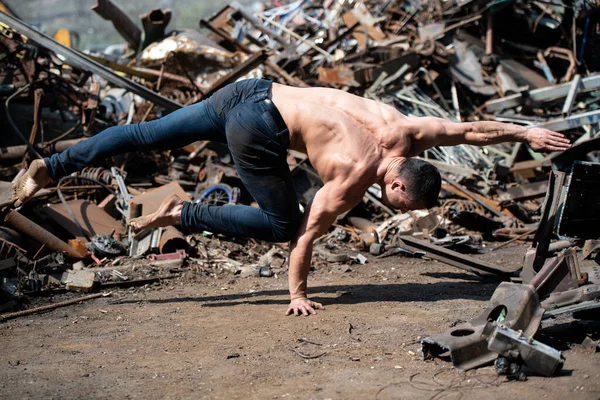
column 540, row 139
column 303, row 306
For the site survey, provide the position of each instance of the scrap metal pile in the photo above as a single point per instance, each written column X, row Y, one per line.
column 530, row 63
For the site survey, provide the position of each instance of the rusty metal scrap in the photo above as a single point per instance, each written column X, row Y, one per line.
column 33, row 230
column 122, row 23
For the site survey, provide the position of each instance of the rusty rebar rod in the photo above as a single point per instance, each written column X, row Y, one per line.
column 4, row 317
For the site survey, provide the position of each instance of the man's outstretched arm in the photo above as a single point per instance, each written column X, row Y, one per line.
column 330, row 201
column 428, row 132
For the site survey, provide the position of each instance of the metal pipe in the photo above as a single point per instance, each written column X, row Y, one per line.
column 171, row 240
column 565, row 54
column 36, row 232
column 14, row 152
column 154, row 23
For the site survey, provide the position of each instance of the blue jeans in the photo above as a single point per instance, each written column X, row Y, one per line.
column 241, row 115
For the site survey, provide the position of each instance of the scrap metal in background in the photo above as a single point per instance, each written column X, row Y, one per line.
column 78, row 60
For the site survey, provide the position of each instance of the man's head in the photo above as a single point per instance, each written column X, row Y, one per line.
column 414, row 184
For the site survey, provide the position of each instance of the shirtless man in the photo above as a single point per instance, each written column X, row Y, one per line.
column 351, row 142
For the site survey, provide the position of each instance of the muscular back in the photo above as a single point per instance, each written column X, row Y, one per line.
column 343, row 135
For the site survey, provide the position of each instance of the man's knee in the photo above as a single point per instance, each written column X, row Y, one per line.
column 284, row 235
column 284, row 231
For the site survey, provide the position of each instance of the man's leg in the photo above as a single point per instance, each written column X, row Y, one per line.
column 260, row 159
column 184, row 126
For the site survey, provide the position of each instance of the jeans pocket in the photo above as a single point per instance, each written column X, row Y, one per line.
column 256, row 136
column 272, row 119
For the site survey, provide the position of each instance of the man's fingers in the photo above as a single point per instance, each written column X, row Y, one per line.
column 310, row 310
column 555, row 148
column 562, row 141
column 304, row 308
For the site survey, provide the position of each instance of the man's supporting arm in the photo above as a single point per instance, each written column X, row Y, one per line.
column 330, row 201
column 428, row 132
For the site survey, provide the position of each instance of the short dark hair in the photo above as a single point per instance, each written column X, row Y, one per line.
column 423, row 181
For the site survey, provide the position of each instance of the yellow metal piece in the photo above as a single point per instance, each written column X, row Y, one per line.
column 63, row 36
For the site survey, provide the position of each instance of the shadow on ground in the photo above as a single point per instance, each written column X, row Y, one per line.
column 350, row 294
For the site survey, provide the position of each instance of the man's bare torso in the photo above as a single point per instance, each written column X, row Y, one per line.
column 342, row 134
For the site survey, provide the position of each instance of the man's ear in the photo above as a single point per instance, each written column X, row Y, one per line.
column 398, row 185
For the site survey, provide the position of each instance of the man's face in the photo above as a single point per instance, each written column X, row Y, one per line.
column 395, row 195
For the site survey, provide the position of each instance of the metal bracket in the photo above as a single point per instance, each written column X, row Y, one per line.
column 515, row 306
column 515, row 345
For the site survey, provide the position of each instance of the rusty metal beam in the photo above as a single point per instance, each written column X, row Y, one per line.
column 468, row 347
column 123, row 24
column 36, row 232
column 457, row 259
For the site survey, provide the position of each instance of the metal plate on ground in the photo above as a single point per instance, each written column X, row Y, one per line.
column 92, row 218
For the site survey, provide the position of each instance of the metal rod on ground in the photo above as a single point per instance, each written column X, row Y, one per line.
column 4, row 317
column 456, row 259
column 514, row 239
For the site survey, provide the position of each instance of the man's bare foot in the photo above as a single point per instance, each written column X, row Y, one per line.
column 36, row 178
column 169, row 213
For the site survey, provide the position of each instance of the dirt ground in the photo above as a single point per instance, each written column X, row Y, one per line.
column 228, row 338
